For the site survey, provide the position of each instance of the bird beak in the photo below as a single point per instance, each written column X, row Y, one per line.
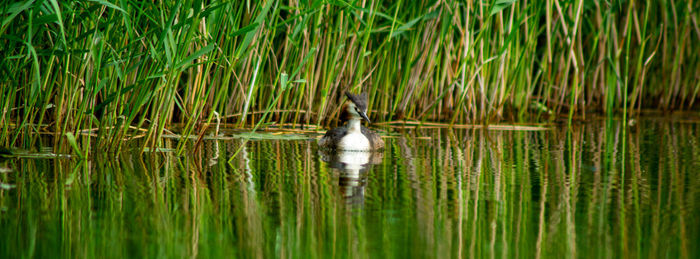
column 364, row 116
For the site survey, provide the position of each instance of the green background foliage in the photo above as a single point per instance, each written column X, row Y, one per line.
column 141, row 67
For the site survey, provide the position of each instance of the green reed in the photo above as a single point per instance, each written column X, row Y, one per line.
column 123, row 69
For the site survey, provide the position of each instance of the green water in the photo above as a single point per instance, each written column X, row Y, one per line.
column 588, row 192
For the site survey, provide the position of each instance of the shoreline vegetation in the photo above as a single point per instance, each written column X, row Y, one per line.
column 129, row 68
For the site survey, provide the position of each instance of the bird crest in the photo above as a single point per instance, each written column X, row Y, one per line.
column 360, row 100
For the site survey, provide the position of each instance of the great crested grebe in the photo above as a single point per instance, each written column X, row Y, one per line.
column 353, row 136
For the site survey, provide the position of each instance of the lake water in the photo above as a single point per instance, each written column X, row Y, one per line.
column 591, row 191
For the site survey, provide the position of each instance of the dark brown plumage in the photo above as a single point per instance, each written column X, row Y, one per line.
column 352, row 113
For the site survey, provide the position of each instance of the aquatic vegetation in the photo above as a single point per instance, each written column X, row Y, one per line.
column 119, row 70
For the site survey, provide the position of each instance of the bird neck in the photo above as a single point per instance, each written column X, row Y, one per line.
column 354, row 125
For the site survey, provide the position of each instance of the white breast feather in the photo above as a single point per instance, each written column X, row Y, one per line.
column 354, row 141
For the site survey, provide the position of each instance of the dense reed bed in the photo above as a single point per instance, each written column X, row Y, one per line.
column 121, row 69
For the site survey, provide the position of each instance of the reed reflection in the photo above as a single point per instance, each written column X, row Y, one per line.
column 587, row 191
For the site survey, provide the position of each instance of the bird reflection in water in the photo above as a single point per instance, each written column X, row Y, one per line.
column 353, row 168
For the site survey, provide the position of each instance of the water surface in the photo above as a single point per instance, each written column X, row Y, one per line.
column 591, row 191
